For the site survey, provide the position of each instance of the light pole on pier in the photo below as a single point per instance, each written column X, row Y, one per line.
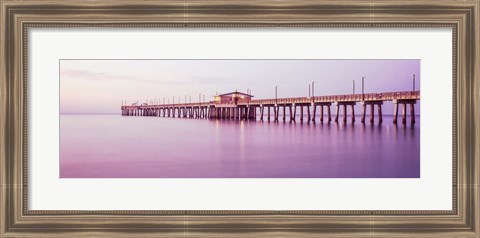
column 309, row 94
column 313, row 89
column 363, row 88
column 276, row 89
column 414, row 82
column 353, row 82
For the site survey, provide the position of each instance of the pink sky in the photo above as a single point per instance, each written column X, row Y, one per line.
column 100, row 86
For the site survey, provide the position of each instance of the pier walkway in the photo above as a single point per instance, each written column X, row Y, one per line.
column 285, row 108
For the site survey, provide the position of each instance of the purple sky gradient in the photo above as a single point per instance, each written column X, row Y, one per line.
column 99, row 86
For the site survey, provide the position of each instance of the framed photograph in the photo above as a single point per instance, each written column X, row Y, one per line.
column 239, row 118
column 259, row 138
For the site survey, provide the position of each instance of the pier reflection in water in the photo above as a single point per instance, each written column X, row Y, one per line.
column 112, row 146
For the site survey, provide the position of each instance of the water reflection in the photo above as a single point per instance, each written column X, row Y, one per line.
column 145, row 147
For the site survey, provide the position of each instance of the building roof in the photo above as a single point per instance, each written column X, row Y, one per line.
column 244, row 94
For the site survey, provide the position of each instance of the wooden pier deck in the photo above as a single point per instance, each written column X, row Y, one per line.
column 246, row 109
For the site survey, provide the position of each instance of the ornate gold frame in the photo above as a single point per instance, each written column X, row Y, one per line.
column 16, row 17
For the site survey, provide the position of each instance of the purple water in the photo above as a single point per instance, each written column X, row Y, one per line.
column 112, row 146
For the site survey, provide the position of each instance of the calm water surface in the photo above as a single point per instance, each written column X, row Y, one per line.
column 112, row 146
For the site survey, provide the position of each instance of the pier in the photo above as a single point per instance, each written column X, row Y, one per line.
column 241, row 106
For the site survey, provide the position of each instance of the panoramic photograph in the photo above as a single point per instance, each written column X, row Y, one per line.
column 261, row 118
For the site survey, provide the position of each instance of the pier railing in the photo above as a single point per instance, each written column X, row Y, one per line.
column 388, row 96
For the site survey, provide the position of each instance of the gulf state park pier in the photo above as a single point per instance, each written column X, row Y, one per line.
column 242, row 106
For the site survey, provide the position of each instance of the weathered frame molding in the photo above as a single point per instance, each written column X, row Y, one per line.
column 17, row 16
